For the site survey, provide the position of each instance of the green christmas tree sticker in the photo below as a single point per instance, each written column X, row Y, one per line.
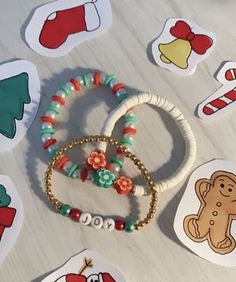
column 5, row 199
column 14, row 93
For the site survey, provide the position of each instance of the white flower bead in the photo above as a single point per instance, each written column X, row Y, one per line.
column 97, row 222
column 61, row 94
column 120, row 92
column 113, row 82
column 115, row 168
column 90, row 77
column 130, row 125
column 46, row 137
column 102, row 77
column 109, row 224
column 76, row 174
column 85, row 218
column 67, row 166
column 80, row 80
column 52, row 148
column 70, row 86
column 50, row 114
column 46, row 125
column 56, row 104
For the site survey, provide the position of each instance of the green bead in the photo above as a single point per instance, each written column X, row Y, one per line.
column 72, row 170
column 85, row 80
column 129, row 226
column 66, row 90
column 108, row 79
column 65, row 210
column 47, row 131
column 53, row 109
column 122, row 97
column 127, row 140
column 130, row 118
column 118, row 161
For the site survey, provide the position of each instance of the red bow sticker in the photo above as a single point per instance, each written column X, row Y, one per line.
column 199, row 42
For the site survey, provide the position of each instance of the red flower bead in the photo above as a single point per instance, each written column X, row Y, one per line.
column 123, row 185
column 97, row 160
column 75, row 214
column 119, row 224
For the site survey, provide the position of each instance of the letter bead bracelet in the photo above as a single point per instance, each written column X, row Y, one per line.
column 97, row 221
column 54, row 109
column 182, row 123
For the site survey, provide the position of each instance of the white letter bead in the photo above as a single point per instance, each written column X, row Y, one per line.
column 97, row 222
column 85, row 218
column 109, row 224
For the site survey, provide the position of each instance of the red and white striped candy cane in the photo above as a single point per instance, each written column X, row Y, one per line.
column 220, row 103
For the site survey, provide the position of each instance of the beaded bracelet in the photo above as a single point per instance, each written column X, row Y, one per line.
column 86, row 218
column 58, row 100
column 181, row 122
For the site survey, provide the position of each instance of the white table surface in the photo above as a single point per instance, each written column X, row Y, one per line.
column 47, row 239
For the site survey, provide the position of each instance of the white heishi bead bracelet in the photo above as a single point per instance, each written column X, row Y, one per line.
column 182, row 123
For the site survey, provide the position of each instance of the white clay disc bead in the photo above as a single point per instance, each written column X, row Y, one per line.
column 109, row 224
column 85, row 218
column 97, row 222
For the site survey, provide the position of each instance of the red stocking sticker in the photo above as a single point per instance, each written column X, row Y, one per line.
column 56, row 28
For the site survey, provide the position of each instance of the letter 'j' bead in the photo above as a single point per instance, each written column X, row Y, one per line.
column 97, row 222
column 65, row 209
column 119, row 224
column 75, row 214
column 129, row 226
column 109, row 224
column 85, row 218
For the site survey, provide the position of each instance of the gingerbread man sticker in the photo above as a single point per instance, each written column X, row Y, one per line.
column 217, row 210
column 205, row 220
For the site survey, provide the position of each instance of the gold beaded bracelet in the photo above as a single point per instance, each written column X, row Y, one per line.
column 97, row 221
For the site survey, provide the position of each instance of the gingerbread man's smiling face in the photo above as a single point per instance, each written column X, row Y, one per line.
column 226, row 186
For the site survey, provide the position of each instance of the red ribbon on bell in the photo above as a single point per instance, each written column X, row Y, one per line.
column 7, row 216
column 199, row 42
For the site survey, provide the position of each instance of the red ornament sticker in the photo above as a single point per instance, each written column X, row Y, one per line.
column 87, row 266
column 222, row 100
column 182, row 45
column 56, row 28
column 11, row 215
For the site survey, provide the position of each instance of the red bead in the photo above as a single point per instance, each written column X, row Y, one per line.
column 97, row 78
column 117, row 87
column 62, row 161
column 75, row 83
column 129, row 130
column 48, row 119
column 58, row 99
column 49, row 143
column 75, row 214
column 119, row 224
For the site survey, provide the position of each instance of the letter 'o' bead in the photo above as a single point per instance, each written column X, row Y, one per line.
column 85, row 218
column 109, row 224
column 97, row 222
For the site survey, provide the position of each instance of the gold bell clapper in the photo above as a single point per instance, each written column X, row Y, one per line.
column 176, row 52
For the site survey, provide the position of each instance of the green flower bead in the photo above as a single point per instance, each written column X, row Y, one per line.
column 104, row 178
column 129, row 226
column 65, row 210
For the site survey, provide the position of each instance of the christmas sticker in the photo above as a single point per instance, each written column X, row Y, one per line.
column 87, row 266
column 56, row 28
column 11, row 215
column 182, row 45
column 206, row 217
column 223, row 100
column 20, row 95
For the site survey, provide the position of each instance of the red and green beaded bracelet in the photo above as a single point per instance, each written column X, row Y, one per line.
column 74, row 86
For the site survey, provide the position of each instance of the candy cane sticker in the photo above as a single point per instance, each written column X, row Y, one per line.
column 223, row 100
